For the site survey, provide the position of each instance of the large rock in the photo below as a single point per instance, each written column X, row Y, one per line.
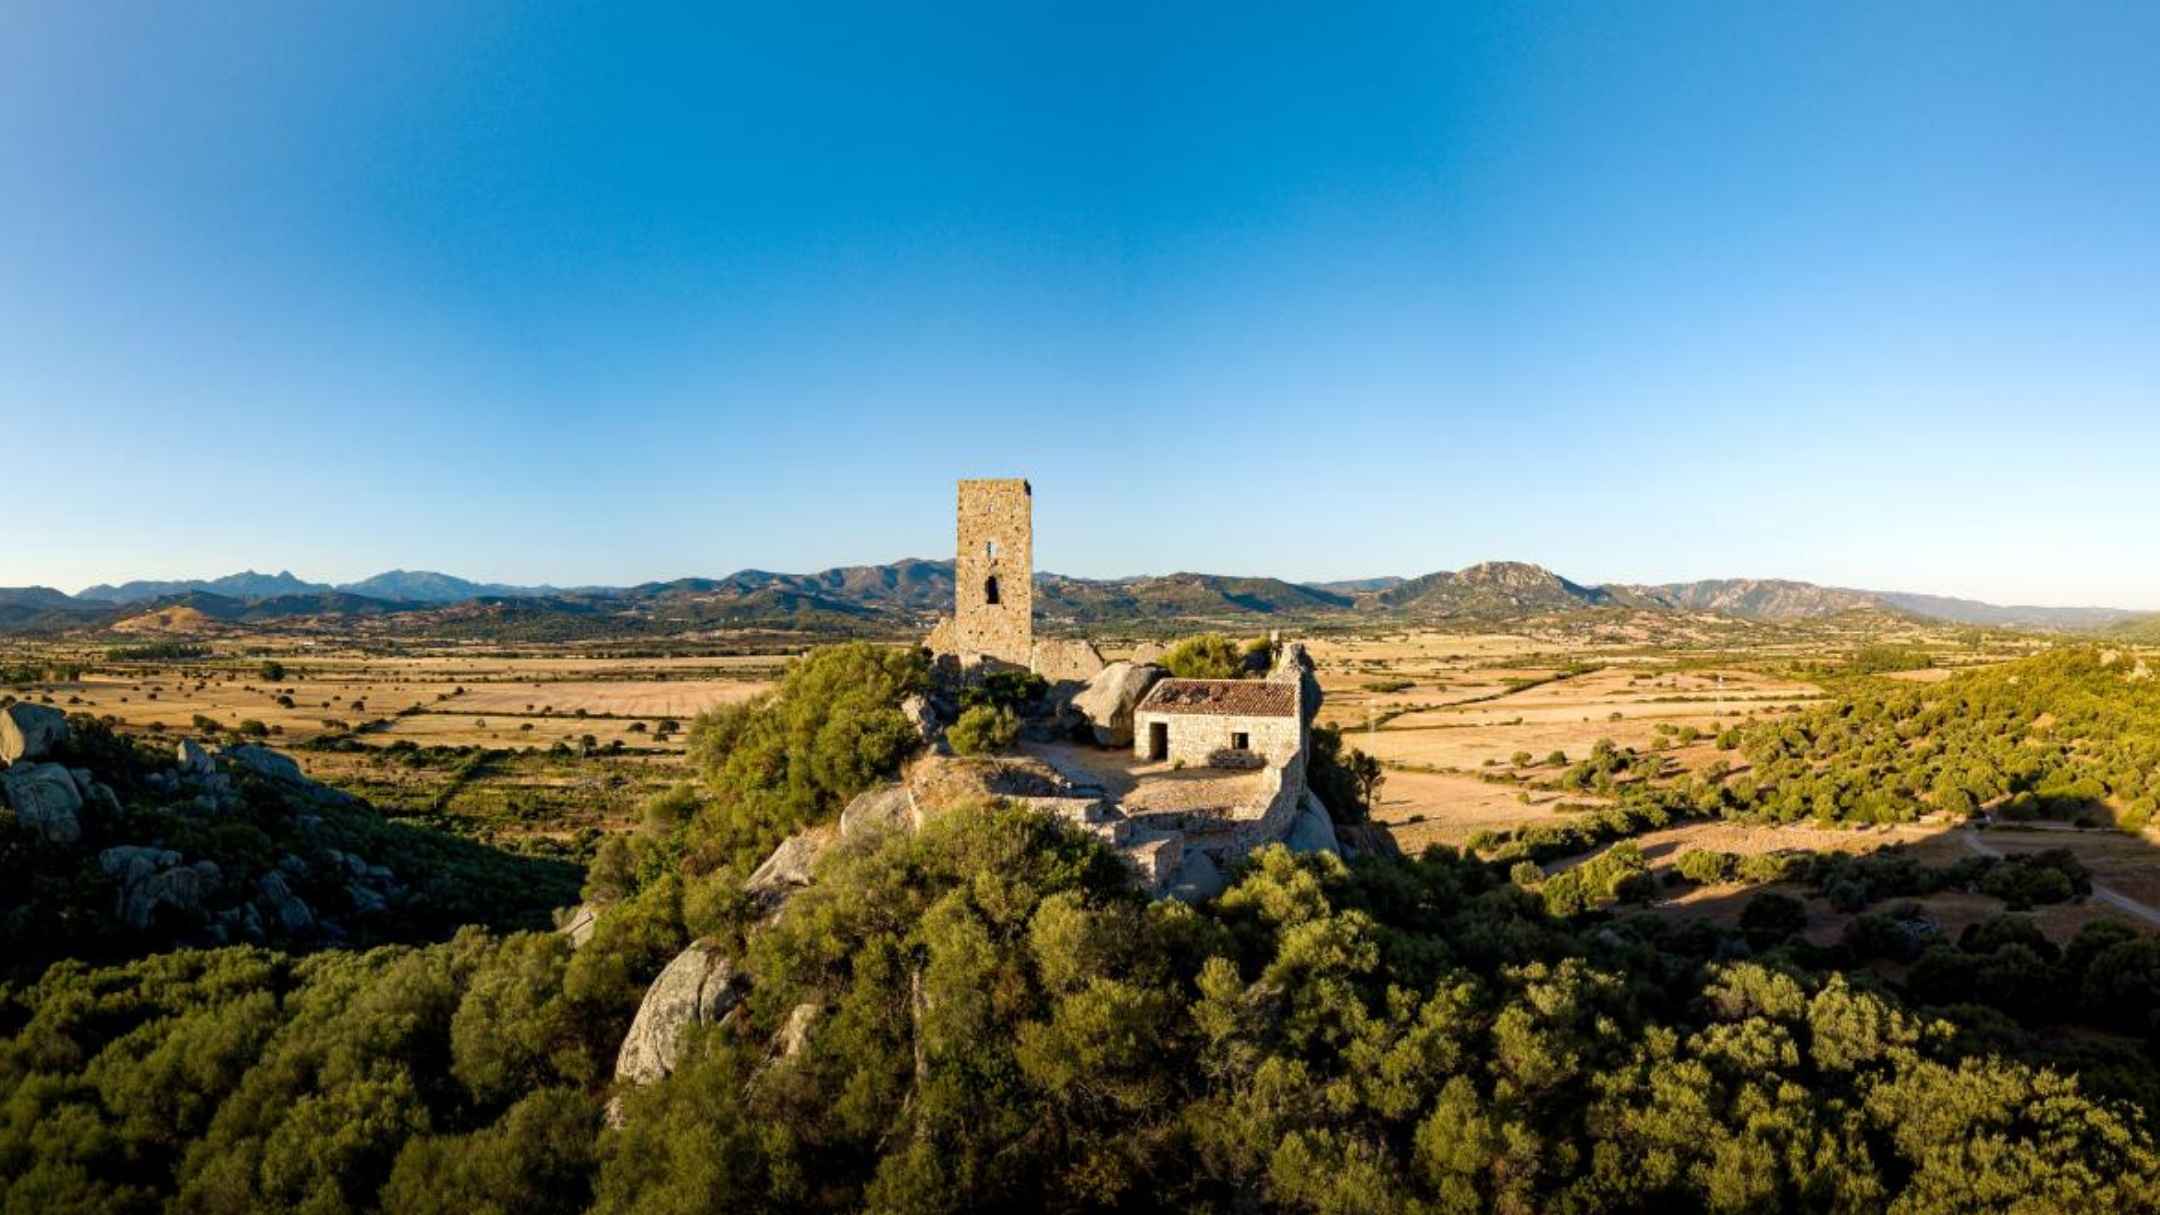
column 916, row 708
column 154, row 878
column 787, row 870
column 45, row 799
column 1312, row 830
column 1109, row 699
column 578, row 923
column 268, row 764
column 1366, row 839
column 30, row 732
column 699, row 987
column 288, row 909
column 795, row 1033
column 194, row 762
column 1198, row 877
column 280, row 770
column 884, row 808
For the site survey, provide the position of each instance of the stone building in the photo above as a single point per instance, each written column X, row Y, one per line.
column 994, row 572
column 1219, row 723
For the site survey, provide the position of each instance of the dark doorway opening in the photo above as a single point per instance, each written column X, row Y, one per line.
column 1158, row 740
column 990, row 590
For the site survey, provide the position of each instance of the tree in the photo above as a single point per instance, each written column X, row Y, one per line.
column 1367, row 771
column 273, row 671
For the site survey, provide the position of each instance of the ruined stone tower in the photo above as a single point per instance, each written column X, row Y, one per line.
column 994, row 571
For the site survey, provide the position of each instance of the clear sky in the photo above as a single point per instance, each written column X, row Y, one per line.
column 1866, row 294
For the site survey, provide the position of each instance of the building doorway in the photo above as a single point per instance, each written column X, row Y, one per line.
column 1158, row 740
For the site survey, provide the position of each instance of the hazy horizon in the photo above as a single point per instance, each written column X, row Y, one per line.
column 559, row 584
column 1856, row 295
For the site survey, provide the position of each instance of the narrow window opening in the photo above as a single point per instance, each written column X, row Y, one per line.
column 990, row 548
column 990, row 594
column 1241, row 742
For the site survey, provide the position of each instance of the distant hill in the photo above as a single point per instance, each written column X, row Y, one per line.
column 1354, row 586
column 1493, row 588
column 244, row 585
column 1972, row 611
column 906, row 594
column 427, row 586
column 1760, row 598
column 40, row 609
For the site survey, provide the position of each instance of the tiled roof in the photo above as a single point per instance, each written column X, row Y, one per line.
column 1222, row 698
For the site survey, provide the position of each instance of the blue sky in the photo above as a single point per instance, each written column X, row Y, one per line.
column 1864, row 294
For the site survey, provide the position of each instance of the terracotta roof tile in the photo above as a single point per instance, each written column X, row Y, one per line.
column 1222, row 698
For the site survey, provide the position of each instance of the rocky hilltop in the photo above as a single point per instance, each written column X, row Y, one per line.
column 109, row 848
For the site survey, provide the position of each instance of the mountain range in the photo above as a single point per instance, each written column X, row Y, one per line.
column 910, row 591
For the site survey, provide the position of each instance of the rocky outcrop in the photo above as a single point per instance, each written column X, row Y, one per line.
column 700, row 987
column 578, row 923
column 30, row 732
column 155, row 879
column 1198, row 877
column 268, row 764
column 194, row 762
column 924, row 719
column 1312, row 830
column 1108, row 701
column 370, row 887
column 787, row 870
column 287, row 909
column 795, row 1032
column 1366, row 839
column 45, row 799
column 883, row 808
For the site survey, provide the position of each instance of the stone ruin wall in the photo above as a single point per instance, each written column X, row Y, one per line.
column 1202, row 740
column 996, row 540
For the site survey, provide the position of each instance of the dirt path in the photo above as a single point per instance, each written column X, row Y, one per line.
column 2115, row 899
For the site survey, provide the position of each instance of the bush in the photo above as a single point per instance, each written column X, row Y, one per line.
column 1005, row 690
column 1770, row 918
column 1705, row 866
column 983, row 730
column 794, row 756
column 1208, row 656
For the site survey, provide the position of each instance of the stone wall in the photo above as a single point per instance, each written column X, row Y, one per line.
column 1066, row 659
column 1203, row 739
column 996, row 552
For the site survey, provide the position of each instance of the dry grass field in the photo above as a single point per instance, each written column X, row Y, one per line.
column 542, row 748
column 552, row 745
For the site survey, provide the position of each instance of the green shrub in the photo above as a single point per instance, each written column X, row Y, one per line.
column 983, row 730
column 1707, row 867
column 1207, row 656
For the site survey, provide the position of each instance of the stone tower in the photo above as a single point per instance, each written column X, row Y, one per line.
column 994, row 571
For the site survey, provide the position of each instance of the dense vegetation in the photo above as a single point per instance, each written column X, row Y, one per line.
column 2072, row 733
column 984, row 1015
column 1003, row 1024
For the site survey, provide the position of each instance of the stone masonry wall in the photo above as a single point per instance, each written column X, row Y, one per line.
column 997, row 542
column 1203, row 739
